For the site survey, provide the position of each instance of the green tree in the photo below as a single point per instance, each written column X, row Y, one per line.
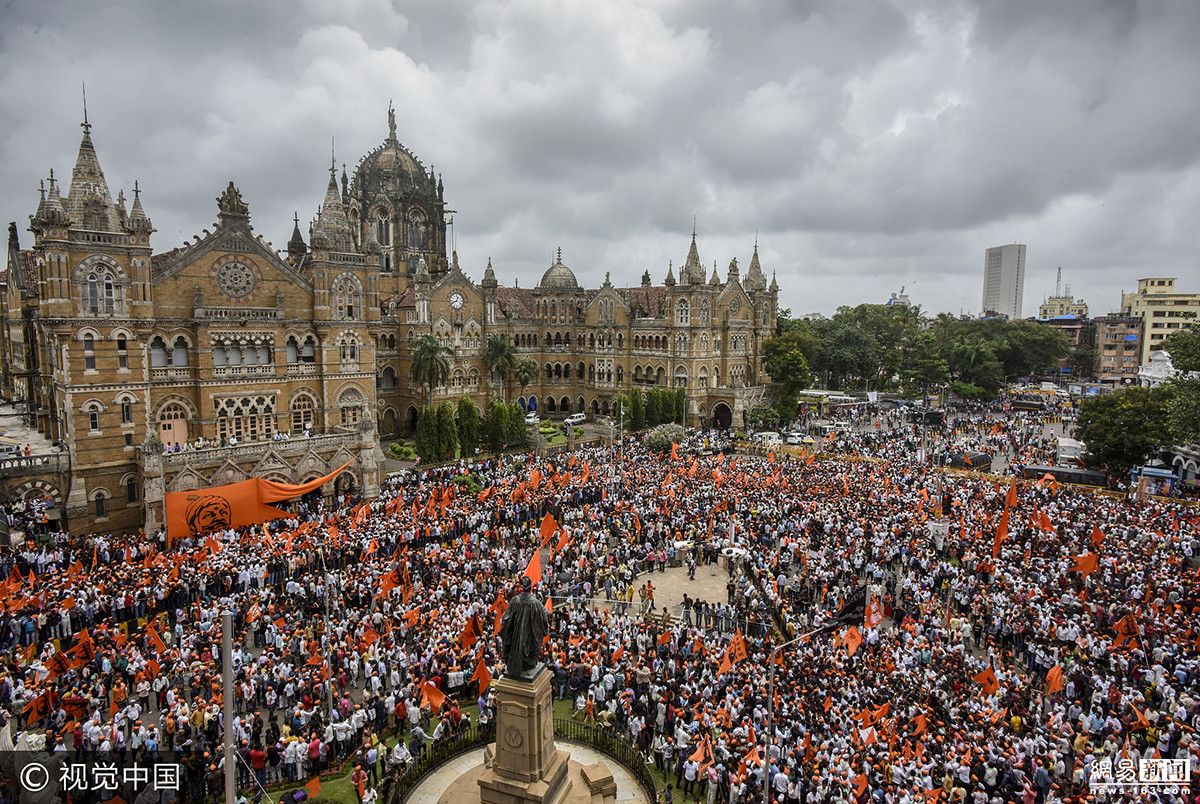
column 499, row 358
column 468, row 426
column 681, row 405
column 447, row 430
column 426, row 439
column 637, row 410
column 525, row 371
column 1122, row 429
column 1083, row 360
column 495, row 425
column 785, row 360
column 786, row 407
column 516, row 432
column 653, row 408
column 763, row 416
column 430, row 362
column 1184, row 408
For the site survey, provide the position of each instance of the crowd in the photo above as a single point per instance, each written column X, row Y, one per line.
column 1021, row 642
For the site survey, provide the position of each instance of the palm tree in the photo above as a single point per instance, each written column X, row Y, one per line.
column 430, row 362
column 525, row 371
column 499, row 357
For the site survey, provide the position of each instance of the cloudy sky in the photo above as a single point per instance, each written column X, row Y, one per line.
column 867, row 144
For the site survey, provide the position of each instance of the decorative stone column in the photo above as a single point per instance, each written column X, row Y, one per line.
column 526, row 766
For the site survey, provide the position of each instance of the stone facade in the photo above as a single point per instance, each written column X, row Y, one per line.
column 225, row 345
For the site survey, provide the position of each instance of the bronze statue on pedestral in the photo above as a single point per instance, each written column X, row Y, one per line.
column 524, row 625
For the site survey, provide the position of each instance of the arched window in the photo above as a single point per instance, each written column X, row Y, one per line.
column 100, row 501
column 179, row 352
column 122, row 352
column 100, row 293
column 172, row 425
column 131, row 489
column 308, row 351
column 383, row 230
column 302, row 413
column 158, row 354
column 292, row 350
column 388, row 378
column 347, row 297
column 93, row 414
column 620, row 375
column 682, row 314
column 350, row 406
column 705, row 313
column 89, row 352
column 416, row 231
column 348, row 348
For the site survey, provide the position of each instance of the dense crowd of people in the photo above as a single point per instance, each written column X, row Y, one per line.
column 1021, row 641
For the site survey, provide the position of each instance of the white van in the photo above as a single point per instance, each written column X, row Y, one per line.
column 576, row 418
column 769, row 439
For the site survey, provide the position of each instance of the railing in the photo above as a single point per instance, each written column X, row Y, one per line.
column 303, row 368
column 171, row 373
column 397, row 786
column 234, row 313
column 297, row 444
column 609, row 741
column 244, row 371
column 16, row 465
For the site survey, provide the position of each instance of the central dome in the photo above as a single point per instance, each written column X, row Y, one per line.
column 391, row 168
column 559, row 277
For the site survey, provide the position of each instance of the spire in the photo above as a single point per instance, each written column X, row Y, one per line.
column 755, row 279
column 296, row 246
column 333, row 227
column 489, row 276
column 138, row 222
column 692, row 272
column 714, row 280
column 774, row 288
column 55, row 212
column 670, row 281
column 89, row 202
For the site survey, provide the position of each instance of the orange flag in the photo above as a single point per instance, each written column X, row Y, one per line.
column 548, row 528
column 674, row 451
column 483, row 676
column 853, row 640
column 432, row 695
column 1097, row 536
column 988, row 680
column 534, row 571
column 874, row 614
column 860, row 784
column 618, row 653
column 1054, row 679
column 1085, row 564
column 314, row 787
column 1011, row 501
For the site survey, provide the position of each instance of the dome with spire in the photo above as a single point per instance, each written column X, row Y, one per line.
column 558, row 277
column 391, row 169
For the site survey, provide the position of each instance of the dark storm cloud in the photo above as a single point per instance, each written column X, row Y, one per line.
column 885, row 142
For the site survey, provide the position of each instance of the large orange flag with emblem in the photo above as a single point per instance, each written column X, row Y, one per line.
column 193, row 513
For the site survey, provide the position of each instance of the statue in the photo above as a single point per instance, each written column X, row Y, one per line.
column 525, row 624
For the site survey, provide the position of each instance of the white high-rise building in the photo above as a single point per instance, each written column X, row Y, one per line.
column 1004, row 280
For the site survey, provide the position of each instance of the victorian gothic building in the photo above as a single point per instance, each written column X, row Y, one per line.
column 224, row 359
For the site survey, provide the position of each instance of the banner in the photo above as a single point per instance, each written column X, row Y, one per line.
column 194, row 513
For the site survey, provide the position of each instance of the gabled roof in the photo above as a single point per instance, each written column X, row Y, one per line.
column 515, row 302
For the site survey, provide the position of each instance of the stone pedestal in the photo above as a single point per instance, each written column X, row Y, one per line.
column 526, row 767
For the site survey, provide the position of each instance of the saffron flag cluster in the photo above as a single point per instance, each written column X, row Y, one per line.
column 195, row 513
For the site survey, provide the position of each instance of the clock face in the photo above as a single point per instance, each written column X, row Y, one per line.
column 456, row 300
column 235, row 279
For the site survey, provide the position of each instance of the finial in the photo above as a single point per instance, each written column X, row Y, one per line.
column 560, row 254
column 42, row 188
column 51, row 179
column 756, row 240
column 693, row 227
column 136, row 190
column 332, row 157
column 296, row 218
column 87, row 127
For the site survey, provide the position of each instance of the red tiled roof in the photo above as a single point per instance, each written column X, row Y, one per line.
column 515, row 302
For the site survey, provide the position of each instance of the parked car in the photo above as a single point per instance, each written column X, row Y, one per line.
column 532, row 418
column 576, row 418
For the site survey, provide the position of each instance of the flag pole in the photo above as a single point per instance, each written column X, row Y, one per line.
column 766, row 782
column 227, row 704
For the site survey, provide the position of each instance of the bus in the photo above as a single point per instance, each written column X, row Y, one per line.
column 1067, row 474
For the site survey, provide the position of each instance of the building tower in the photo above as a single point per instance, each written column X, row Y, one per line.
column 1004, row 280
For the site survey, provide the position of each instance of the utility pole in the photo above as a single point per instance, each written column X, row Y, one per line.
column 227, row 705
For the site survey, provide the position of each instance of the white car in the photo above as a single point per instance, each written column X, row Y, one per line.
column 532, row 418
column 576, row 418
